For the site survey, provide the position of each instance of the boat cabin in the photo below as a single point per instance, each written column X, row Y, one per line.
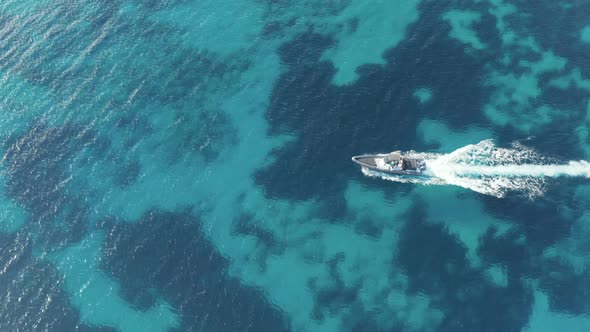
column 397, row 161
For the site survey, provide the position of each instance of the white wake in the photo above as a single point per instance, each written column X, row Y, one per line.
column 491, row 170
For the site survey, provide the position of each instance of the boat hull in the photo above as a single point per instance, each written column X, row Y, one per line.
column 371, row 162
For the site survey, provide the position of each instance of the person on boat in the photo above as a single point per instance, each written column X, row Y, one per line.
column 402, row 164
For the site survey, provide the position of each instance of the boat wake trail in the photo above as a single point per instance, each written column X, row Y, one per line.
column 491, row 170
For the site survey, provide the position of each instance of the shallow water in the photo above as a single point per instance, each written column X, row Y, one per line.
column 185, row 165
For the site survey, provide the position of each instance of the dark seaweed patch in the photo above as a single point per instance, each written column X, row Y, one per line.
column 128, row 174
column 436, row 264
column 247, row 225
column 168, row 254
column 534, row 219
column 34, row 165
column 557, row 28
column 568, row 290
column 36, row 177
column 334, row 296
column 31, row 292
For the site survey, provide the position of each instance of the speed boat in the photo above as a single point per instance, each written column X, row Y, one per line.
column 392, row 163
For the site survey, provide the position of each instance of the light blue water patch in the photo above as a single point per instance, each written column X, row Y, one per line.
column 585, row 34
column 543, row 319
column 462, row 22
column 223, row 27
column 424, row 95
column 549, row 62
column 515, row 99
column 573, row 251
column 463, row 215
column 20, row 103
column 573, row 79
column 34, row 69
column 23, row 7
column 12, row 216
column 501, row 10
column 318, row 241
column 583, row 132
column 381, row 25
column 497, row 275
column 437, row 132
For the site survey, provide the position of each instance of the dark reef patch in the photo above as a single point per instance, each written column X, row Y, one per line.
column 432, row 268
column 533, row 218
column 568, row 290
column 196, row 280
column 215, row 133
column 184, row 74
column 566, row 286
column 440, row 269
column 558, row 28
column 34, row 163
column 332, row 207
column 31, row 292
column 274, row 28
column 508, row 250
column 539, row 225
column 369, row 228
column 333, row 296
column 554, row 141
column 128, row 174
column 246, row 224
column 558, row 140
column 375, row 113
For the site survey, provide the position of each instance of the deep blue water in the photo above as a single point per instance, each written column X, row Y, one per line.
column 185, row 165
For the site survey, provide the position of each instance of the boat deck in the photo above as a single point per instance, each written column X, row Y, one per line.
column 368, row 161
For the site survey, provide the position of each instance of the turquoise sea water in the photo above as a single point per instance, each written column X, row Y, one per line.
column 185, row 165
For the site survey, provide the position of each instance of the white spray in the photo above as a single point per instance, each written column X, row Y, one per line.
column 491, row 170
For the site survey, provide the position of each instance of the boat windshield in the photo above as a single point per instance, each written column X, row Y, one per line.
column 393, row 157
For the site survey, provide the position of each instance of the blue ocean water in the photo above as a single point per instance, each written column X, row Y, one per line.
column 185, row 165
